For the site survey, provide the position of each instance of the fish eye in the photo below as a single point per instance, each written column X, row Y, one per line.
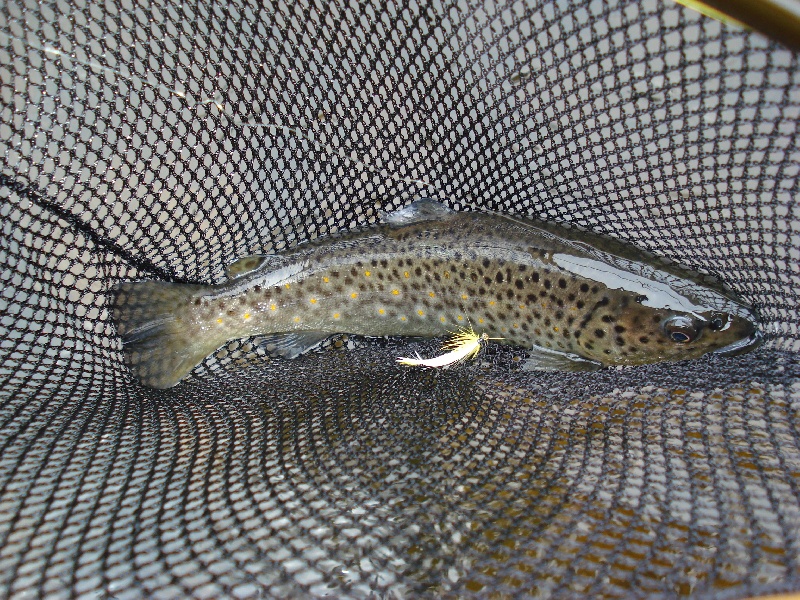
column 680, row 329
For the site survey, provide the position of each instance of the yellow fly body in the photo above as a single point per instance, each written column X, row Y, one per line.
column 464, row 345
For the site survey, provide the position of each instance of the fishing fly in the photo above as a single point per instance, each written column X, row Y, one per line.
column 464, row 345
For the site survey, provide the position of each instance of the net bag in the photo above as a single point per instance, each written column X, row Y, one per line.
column 164, row 142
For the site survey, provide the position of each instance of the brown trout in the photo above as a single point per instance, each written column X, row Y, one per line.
column 575, row 300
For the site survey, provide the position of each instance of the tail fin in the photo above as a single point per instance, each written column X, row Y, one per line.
column 159, row 331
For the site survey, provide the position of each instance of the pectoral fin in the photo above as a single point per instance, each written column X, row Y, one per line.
column 545, row 359
column 292, row 345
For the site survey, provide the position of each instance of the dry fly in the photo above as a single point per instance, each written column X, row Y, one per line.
column 463, row 345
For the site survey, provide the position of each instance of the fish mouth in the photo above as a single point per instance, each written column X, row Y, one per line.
column 743, row 345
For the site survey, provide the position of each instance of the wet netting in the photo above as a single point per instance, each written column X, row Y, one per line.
column 165, row 142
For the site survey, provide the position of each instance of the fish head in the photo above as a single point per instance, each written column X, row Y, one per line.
column 639, row 334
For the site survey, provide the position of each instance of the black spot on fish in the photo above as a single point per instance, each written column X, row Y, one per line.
column 543, row 294
column 619, row 329
column 499, row 277
column 473, row 276
column 580, row 304
column 656, row 318
column 559, row 315
column 547, row 284
column 384, row 263
column 486, row 262
column 644, row 339
column 197, row 301
column 640, row 299
column 603, row 301
column 522, row 267
column 570, row 320
column 535, row 277
column 347, row 280
column 606, row 318
column 547, row 322
column 619, row 341
column 571, row 297
column 437, row 277
column 537, row 315
column 418, row 271
column 519, row 283
column 594, row 289
column 510, row 294
column 257, row 289
column 487, row 281
column 584, row 287
column 562, row 283
column 599, row 333
column 481, row 291
column 354, row 271
column 530, row 297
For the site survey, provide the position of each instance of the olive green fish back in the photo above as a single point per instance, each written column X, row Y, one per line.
column 164, row 142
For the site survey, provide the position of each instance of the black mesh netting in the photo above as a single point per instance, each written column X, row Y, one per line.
column 165, row 142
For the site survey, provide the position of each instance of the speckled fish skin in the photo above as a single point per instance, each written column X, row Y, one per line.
column 427, row 271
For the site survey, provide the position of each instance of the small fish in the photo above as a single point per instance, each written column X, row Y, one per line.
column 575, row 300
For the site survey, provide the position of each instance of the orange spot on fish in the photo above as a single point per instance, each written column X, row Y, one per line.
column 246, row 315
column 555, row 328
column 325, row 279
column 406, row 275
column 447, row 275
column 480, row 320
column 354, row 295
column 381, row 311
column 336, row 315
column 297, row 319
column 522, row 306
column 442, row 319
column 367, row 273
column 420, row 312
column 432, row 294
column 273, row 307
column 460, row 318
column 402, row 318
column 491, row 302
column 313, row 300
column 395, row 292
column 464, row 296
column 219, row 321
column 287, row 286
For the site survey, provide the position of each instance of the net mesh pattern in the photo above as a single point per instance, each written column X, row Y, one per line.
column 164, row 142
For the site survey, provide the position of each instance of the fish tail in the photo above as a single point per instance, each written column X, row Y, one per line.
column 161, row 341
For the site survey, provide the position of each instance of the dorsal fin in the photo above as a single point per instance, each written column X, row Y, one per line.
column 416, row 212
column 246, row 264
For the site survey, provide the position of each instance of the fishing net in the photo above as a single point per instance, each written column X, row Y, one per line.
column 165, row 142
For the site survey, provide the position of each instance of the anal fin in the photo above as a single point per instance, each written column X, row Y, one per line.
column 545, row 359
column 292, row 345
